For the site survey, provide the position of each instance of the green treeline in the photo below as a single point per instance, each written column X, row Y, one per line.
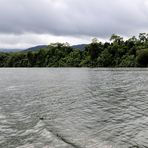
column 132, row 52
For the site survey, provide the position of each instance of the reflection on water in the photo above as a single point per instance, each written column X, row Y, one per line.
column 73, row 108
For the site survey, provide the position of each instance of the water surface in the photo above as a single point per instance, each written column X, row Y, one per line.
column 73, row 108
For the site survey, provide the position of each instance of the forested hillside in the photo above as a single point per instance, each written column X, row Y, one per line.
column 132, row 52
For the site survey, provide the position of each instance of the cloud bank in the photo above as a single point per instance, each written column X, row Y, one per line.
column 73, row 18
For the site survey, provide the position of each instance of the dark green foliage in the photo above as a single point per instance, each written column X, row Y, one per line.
column 119, row 53
column 128, row 61
column 73, row 59
column 3, row 59
column 142, row 58
column 105, row 59
column 94, row 49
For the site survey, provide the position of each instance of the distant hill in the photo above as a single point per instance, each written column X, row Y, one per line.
column 10, row 50
column 35, row 48
column 79, row 46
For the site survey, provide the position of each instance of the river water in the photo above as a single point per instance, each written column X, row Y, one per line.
column 73, row 108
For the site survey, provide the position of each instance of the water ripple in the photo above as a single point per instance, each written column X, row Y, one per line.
column 73, row 108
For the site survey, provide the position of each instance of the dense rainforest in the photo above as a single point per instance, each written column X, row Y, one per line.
column 132, row 52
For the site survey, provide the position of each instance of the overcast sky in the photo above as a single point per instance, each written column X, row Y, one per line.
column 25, row 23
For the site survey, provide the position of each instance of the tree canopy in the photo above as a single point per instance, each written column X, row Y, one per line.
column 132, row 52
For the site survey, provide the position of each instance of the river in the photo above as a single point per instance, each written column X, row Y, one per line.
column 73, row 107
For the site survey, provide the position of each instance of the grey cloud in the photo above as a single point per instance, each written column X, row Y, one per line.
column 99, row 18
